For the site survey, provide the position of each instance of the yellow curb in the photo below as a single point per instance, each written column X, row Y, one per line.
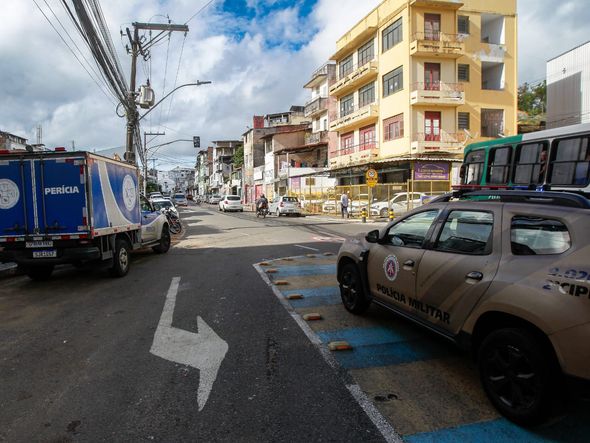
column 264, row 263
column 281, row 282
column 288, row 259
column 339, row 346
column 294, row 297
column 310, row 255
column 312, row 316
column 328, row 253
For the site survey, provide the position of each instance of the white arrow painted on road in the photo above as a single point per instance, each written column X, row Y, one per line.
column 204, row 350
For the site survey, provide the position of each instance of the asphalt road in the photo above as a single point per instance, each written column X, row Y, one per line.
column 75, row 360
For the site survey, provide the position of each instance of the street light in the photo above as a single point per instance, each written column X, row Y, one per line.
column 198, row 83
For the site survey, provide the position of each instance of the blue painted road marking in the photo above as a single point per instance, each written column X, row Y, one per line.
column 286, row 271
column 325, row 295
column 382, row 346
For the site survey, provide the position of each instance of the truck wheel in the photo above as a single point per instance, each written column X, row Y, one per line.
column 164, row 245
column 351, row 289
column 518, row 375
column 39, row 273
column 121, row 258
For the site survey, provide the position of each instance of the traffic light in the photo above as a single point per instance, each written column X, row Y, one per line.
column 196, row 141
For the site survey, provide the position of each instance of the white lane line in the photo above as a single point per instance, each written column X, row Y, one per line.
column 389, row 433
column 204, row 351
column 307, row 247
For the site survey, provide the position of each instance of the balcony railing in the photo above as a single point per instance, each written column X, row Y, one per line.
column 319, row 75
column 353, row 149
column 440, row 93
column 442, row 141
column 428, row 43
column 355, row 115
column 315, row 106
column 316, row 137
column 354, row 77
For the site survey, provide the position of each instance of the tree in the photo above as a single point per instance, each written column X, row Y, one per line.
column 532, row 99
column 238, row 158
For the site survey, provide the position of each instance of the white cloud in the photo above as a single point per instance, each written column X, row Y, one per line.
column 252, row 64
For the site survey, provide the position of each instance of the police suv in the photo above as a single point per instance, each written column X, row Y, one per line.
column 504, row 273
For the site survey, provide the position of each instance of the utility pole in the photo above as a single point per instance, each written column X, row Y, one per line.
column 137, row 47
column 145, row 158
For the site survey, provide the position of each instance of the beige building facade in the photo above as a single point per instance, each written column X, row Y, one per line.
column 417, row 80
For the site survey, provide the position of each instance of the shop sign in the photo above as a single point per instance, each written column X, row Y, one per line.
column 431, row 171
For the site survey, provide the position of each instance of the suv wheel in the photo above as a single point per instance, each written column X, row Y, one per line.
column 121, row 257
column 351, row 289
column 518, row 375
column 278, row 213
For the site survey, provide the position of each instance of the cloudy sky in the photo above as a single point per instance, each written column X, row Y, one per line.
column 257, row 53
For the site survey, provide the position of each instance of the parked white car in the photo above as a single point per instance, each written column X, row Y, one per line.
column 401, row 203
column 284, row 205
column 231, row 203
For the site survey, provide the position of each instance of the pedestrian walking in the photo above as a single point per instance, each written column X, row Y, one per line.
column 344, row 205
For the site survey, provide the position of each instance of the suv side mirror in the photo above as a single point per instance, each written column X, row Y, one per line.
column 373, row 236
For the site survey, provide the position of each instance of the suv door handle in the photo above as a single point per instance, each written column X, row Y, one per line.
column 409, row 263
column 474, row 275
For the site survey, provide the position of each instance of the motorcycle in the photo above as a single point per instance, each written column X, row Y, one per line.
column 173, row 221
column 262, row 211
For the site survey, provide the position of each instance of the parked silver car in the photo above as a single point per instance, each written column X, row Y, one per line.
column 231, row 203
column 285, row 205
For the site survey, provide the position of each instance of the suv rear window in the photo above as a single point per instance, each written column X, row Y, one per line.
column 290, row 199
column 179, row 196
column 538, row 236
column 232, row 197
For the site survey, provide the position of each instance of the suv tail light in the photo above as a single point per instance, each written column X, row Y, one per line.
column 226, row 202
column 282, row 204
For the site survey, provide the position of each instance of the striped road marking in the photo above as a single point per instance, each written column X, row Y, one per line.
column 412, row 384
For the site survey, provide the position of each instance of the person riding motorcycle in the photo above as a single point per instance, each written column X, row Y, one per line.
column 261, row 203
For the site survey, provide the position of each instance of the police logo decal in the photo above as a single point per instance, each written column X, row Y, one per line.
column 391, row 267
column 9, row 193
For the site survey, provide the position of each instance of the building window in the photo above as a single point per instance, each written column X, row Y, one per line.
column 367, row 95
column 492, row 122
column 492, row 76
column 347, row 105
column 345, row 66
column 346, row 143
column 463, row 24
column 366, row 53
column 367, row 137
column 392, row 35
column 463, row 73
column 463, row 120
column 393, row 127
column 393, row 81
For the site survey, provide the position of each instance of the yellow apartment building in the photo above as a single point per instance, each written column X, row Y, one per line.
column 417, row 80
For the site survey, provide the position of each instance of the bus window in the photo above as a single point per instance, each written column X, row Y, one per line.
column 473, row 167
column 530, row 163
column 569, row 162
column 499, row 165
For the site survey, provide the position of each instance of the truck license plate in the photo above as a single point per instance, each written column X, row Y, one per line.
column 47, row 253
column 39, row 244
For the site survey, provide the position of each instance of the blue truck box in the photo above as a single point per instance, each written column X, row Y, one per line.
column 67, row 207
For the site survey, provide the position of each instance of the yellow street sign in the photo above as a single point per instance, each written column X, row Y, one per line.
column 371, row 177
